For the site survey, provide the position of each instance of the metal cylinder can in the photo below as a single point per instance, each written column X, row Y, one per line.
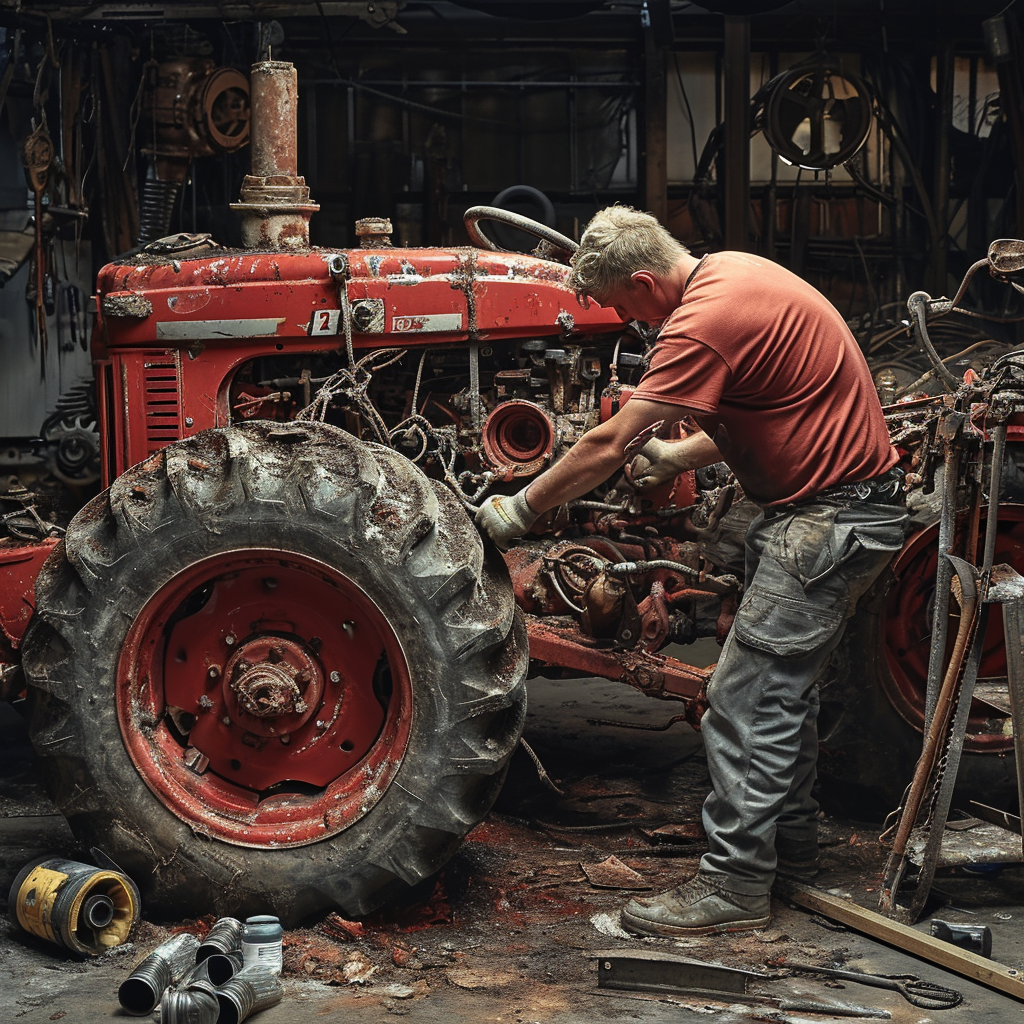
column 261, row 943
column 224, row 937
column 251, row 990
column 141, row 991
column 78, row 906
column 196, row 1004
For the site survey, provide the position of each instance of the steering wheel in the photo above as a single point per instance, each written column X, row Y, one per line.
column 553, row 245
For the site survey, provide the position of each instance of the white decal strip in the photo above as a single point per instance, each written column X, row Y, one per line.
column 189, row 330
column 427, row 322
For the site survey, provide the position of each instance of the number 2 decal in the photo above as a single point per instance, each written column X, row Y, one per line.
column 324, row 321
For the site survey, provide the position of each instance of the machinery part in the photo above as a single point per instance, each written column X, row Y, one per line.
column 277, row 662
column 902, row 936
column 140, row 992
column 274, row 199
column 816, row 116
column 251, row 990
column 195, row 109
column 874, row 696
column 77, row 906
column 657, row 971
column 518, row 438
column 156, row 207
column 925, row 994
column 561, row 246
column 977, row 938
column 196, row 1004
column 72, row 437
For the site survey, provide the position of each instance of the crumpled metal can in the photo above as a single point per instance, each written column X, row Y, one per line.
column 140, row 992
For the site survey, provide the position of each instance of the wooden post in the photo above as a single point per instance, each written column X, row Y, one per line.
column 655, row 129
column 736, row 174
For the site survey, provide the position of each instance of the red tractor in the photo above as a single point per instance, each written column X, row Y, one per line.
column 273, row 666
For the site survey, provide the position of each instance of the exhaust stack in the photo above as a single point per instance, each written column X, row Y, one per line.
column 274, row 199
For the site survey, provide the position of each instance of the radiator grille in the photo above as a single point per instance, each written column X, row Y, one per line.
column 161, row 395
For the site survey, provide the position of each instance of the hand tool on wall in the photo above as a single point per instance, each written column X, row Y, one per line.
column 37, row 156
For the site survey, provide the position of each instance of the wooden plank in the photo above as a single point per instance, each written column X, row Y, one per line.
column 909, row 940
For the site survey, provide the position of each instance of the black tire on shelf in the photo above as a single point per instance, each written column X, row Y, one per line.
column 352, row 596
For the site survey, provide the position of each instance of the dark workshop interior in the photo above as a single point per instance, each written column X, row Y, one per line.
column 284, row 302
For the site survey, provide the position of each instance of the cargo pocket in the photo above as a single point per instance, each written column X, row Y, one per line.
column 784, row 625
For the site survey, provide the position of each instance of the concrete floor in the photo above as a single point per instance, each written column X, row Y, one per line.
column 507, row 934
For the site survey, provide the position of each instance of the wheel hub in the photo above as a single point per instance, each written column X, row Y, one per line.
column 272, row 685
column 281, row 695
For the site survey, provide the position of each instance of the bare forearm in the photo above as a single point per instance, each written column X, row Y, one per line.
column 583, row 467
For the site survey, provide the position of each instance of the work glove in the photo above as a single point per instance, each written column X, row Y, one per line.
column 504, row 517
column 657, row 462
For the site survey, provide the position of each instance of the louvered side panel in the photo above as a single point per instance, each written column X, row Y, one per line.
column 161, row 396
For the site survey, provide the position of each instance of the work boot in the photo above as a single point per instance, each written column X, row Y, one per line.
column 798, row 859
column 697, row 907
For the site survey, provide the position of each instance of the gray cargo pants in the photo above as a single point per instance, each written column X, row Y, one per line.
column 805, row 571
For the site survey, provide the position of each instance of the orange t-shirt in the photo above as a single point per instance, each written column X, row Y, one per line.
column 772, row 374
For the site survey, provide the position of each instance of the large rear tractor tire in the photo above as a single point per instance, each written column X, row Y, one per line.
column 274, row 669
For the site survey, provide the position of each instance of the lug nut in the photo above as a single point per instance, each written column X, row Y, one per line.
column 213, row 672
column 335, row 677
column 230, row 639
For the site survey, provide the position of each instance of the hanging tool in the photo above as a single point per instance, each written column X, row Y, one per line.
column 37, row 155
column 924, row 994
column 654, row 971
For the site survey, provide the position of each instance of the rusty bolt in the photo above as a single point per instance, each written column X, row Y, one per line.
column 335, row 676
column 230, row 639
column 195, row 760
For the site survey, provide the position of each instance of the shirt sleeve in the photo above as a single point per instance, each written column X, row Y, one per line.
column 685, row 372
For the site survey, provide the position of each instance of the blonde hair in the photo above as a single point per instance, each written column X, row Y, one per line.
column 616, row 243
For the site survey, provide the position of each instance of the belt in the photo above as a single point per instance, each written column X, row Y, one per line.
column 886, row 489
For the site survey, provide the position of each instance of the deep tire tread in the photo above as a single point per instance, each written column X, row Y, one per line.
column 323, row 488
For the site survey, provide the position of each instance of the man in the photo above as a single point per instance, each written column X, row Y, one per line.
column 771, row 373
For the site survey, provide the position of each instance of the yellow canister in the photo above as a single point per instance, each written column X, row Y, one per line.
column 75, row 905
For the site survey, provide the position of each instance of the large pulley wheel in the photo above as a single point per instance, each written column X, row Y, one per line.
column 273, row 668
column 554, row 245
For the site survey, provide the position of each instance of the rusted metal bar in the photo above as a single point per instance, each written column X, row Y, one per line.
column 274, row 199
column 653, row 674
column 909, row 940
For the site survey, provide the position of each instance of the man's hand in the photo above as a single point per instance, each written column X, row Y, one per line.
column 658, row 462
column 505, row 517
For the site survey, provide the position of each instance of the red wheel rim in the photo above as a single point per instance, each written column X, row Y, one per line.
column 264, row 698
column 908, row 632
